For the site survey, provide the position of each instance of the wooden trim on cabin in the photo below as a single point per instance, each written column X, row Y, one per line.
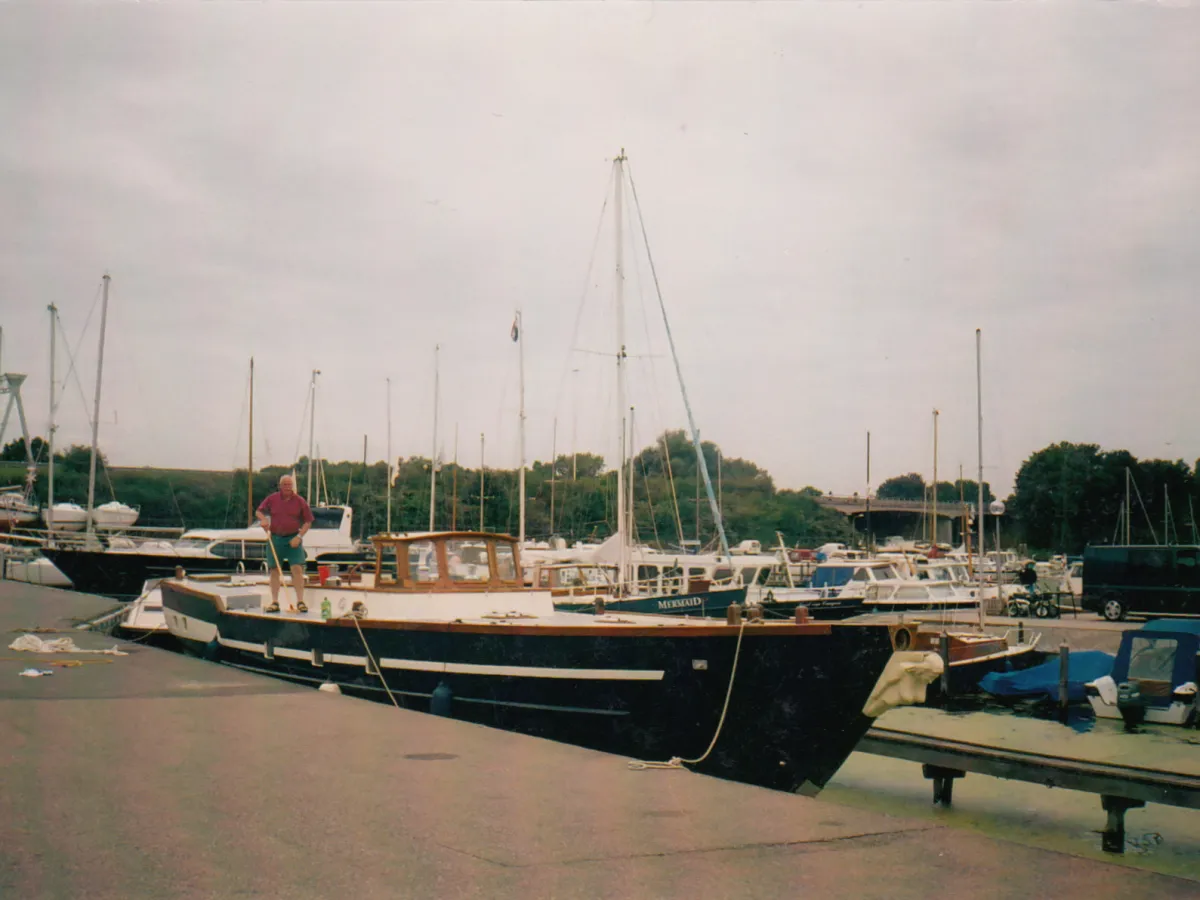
column 504, row 626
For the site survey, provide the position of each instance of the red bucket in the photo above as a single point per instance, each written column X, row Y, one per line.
column 323, row 574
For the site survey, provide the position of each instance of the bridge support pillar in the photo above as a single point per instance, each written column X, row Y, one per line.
column 1113, row 840
column 943, row 782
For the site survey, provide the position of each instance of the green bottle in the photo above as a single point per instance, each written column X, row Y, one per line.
column 326, row 609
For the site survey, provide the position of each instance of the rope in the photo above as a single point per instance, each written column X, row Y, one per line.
column 378, row 670
column 676, row 762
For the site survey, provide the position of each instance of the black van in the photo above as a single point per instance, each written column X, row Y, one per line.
column 1149, row 579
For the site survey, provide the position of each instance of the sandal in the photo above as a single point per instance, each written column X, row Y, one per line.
column 273, row 608
column 301, row 606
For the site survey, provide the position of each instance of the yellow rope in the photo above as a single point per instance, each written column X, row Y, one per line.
column 676, row 762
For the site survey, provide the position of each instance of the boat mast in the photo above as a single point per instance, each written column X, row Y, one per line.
column 312, row 421
column 481, row 471
column 388, row 527
column 618, row 214
column 933, row 544
column 454, row 485
column 979, row 441
column 518, row 332
column 631, row 530
column 96, row 412
column 870, row 543
column 433, row 456
column 1128, row 508
column 53, row 310
column 250, row 461
column 553, row 468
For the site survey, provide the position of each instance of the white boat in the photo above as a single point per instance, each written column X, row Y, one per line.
column 114, row 515
column 145, row 614
column 67, row 516
column 23, row 561
column 15, row 512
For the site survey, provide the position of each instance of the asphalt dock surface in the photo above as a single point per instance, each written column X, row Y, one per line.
column 157, row 775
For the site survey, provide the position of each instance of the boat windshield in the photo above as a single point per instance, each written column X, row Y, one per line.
column 1152, row 659
column 467, row 561
column 832, row 576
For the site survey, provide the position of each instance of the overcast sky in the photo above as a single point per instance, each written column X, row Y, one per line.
column 836, row 196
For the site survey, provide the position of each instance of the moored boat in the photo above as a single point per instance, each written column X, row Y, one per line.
column 786, row 701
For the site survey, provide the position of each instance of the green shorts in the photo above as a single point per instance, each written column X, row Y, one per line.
column 286, row 553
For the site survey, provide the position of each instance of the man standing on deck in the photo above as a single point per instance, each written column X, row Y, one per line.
column 286, row 517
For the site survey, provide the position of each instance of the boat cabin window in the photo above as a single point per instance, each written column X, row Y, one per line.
column 422, row 562
column 672, row 579
column 1152, row 659
column 506, row 563
column 327, row 517
column 696, row 572
column 467, row 561
column 228, row 549
column 389, row 572
column 861, row 574
column 254, row 550
column 885, row 573
column 722, row 574
column 647, row 576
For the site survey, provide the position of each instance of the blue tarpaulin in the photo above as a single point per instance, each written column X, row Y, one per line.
column 1085, row 666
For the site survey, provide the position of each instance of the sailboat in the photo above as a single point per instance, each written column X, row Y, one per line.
column 442, row 621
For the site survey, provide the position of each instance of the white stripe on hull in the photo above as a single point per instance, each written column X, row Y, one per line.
column 421, row 665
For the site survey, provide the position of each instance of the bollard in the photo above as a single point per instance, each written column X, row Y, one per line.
column 179, row 571
column 1064, row 676
column 802, row 616
column 733, row 615
column 599, row 606
column 944, row 653
column 755, row 612
column 1020, row 632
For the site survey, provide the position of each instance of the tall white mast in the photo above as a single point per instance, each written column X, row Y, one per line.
column 933, row 544
column 312, row 421
column 618, row 213
column 50, row 436
column 389, row 456
column 519, row 333
column 96, row 411
column 481, row 471
column 632, row 531
column 433, row 456
column 979, row 510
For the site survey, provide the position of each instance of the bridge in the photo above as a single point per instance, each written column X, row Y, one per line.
column 857, row 506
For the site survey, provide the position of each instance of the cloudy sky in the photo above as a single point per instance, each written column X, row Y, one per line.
column 836, row 196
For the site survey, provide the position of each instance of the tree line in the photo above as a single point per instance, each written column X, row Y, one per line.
column 1066, row 496
column 573, row 496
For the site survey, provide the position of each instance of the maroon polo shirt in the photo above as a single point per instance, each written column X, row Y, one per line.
column 287, row 513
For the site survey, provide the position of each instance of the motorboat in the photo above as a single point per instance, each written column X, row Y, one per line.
column 124, row 564
column 443, row 622
column 1154, row 677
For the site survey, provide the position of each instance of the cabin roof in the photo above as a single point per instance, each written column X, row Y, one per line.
column 430, row 535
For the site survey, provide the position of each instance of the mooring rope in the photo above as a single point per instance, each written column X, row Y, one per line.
column 676, row 762
column 378, row 669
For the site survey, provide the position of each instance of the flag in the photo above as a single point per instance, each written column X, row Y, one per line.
column 515, row 331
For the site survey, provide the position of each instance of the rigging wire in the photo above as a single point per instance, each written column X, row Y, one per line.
column 712, row 500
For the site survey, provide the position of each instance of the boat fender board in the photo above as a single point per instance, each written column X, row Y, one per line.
column 903, row 681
